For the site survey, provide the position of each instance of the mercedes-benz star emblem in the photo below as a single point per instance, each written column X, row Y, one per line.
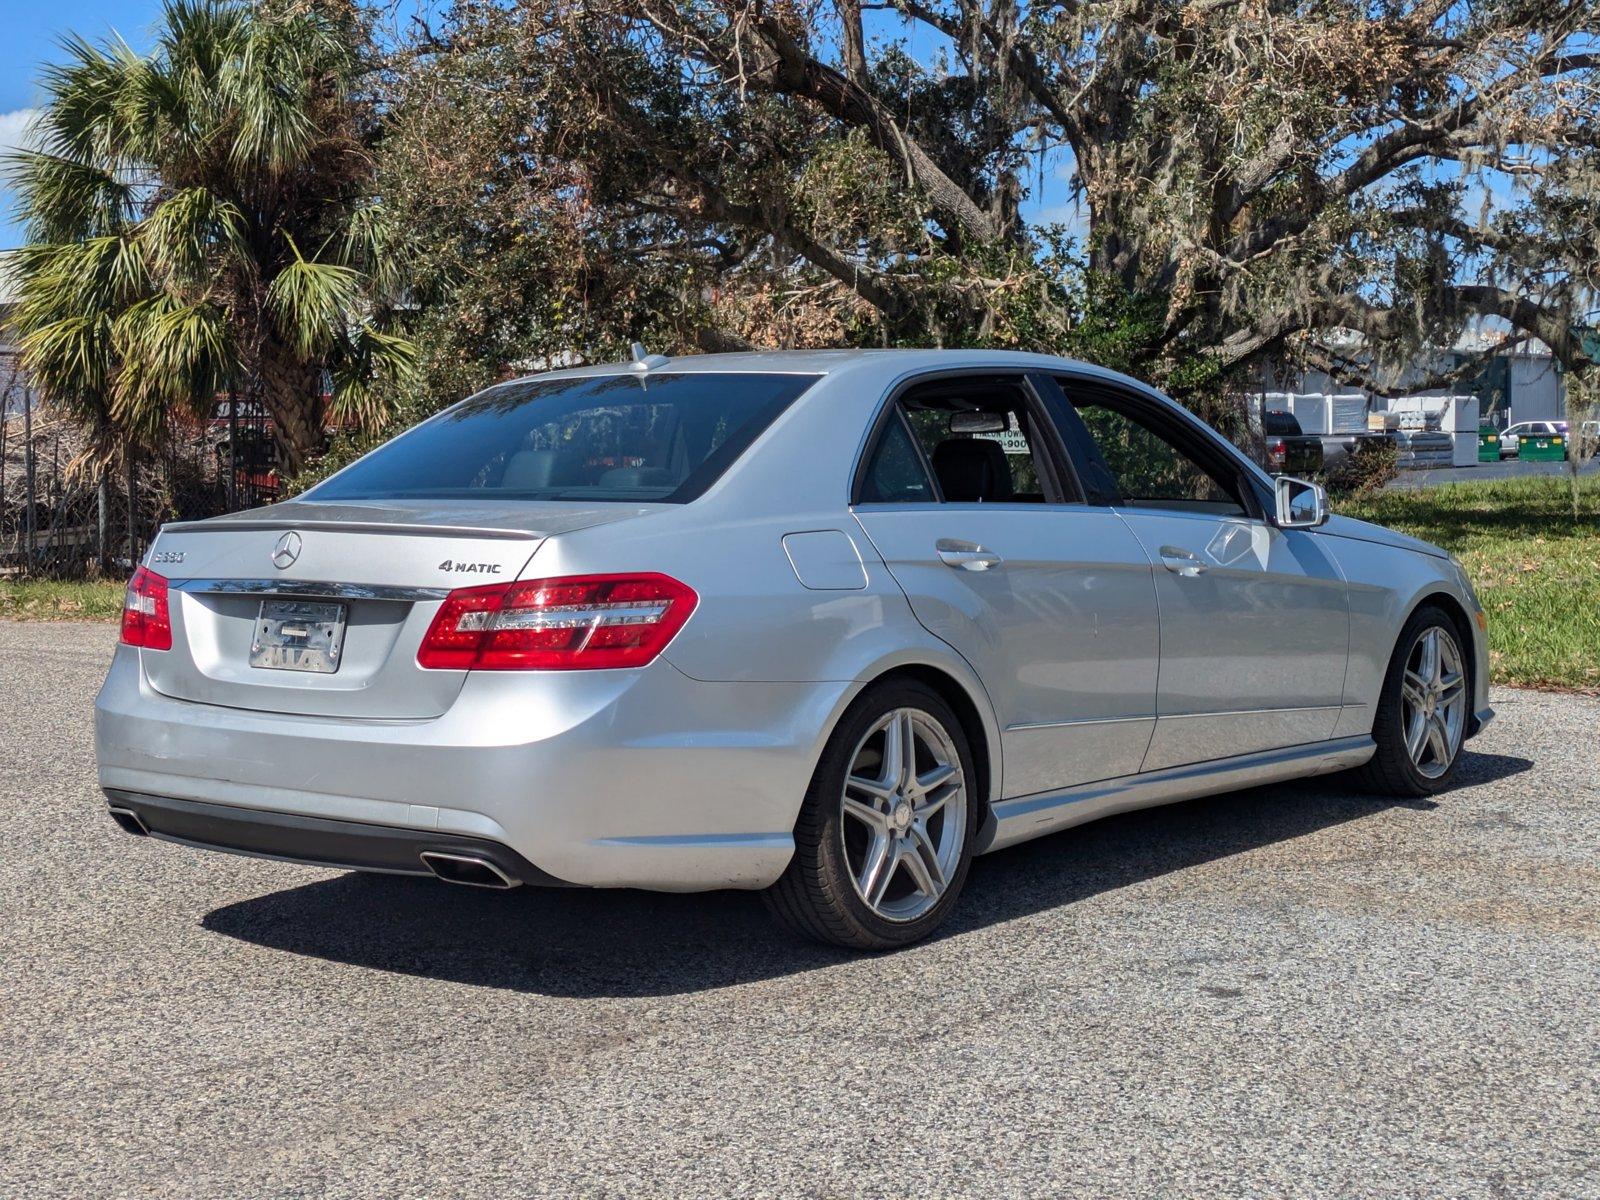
column 286, row 551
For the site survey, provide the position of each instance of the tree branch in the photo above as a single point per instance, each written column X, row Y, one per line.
column 782, row 66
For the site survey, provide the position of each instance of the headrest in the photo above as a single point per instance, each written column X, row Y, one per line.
column 530, row 470
column 972, row 469
column 632, row 477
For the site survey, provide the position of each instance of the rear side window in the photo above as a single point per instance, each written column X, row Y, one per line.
column 962, row 440
column 635, row 437
column 895, row 474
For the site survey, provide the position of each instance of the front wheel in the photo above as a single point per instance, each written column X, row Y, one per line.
column 884, row 838
column 1421, row 720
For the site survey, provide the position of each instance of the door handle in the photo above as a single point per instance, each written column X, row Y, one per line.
column 967, row 556
column 1181, row 562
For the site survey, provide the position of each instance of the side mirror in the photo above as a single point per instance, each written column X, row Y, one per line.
column 1301, row 504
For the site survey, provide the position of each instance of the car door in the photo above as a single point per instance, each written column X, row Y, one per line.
column 1255, row 623
column 1052, row 602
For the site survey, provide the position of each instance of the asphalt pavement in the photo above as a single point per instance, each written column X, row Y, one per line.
column 1294, row 991
column 1506, row 468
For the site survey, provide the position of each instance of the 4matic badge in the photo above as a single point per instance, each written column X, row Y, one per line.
column 466, row 568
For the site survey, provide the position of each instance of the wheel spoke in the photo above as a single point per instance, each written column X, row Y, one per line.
column 1428, row 668
column 869, row 816
column 929, row 780
column 878, row 789
column 882, row 857
column 905, row 732
column 922, row 864
column 934, row 803
column 1438, row 740
column 1452, row 684
column 1416, row 733
column 892, row 770
column 929, row 854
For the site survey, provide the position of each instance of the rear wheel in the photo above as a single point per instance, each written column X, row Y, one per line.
column 884, row 838
column 1421, row 720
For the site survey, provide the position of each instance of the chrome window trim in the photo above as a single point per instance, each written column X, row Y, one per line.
column 306, row 587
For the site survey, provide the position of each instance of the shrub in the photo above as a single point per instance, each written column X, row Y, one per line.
column 1370, row 466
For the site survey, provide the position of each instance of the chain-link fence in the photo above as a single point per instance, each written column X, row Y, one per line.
column 65, row 513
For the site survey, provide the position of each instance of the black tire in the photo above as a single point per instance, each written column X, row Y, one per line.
column 1391, row 771
column 816, row 896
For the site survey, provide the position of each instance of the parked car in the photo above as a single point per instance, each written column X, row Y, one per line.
column 823, row 624
column 1535, row 440
column 1290, row 450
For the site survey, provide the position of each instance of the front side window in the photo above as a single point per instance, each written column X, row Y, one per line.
column 1152, row 469
column 635, row 437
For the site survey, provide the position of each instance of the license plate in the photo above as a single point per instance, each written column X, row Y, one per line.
column 297, row 635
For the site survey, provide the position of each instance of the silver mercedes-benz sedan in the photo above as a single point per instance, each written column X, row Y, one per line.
column 824, row 624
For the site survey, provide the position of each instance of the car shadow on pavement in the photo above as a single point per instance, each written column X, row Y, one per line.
column 588, row 944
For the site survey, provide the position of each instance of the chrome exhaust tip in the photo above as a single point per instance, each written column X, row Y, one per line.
column 130, row 821
column 470, row 870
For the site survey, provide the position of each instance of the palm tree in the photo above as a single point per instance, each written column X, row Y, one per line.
column 203, row 218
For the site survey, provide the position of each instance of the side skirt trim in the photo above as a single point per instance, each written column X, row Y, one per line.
column 1026, row 817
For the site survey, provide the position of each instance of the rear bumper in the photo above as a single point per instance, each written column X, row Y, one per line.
column 317, row 841
column 596, row 778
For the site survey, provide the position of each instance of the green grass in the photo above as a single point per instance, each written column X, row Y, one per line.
column 58, row 600
column 1535, row 568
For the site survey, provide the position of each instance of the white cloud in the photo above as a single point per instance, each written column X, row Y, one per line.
column 14, row 128
column 13, row 136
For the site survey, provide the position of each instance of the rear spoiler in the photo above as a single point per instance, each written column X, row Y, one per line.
column 455, row 531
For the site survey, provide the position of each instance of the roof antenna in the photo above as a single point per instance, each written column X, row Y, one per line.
column 643, row 360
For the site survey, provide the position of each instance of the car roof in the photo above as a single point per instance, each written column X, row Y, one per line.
column 829, row 362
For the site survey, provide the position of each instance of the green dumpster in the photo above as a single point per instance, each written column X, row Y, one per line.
column 1542, row 447
column 1488, row 443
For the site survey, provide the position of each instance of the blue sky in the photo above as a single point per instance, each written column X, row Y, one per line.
column 32, row 30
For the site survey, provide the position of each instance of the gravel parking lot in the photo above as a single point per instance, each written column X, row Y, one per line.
column 1291, row 991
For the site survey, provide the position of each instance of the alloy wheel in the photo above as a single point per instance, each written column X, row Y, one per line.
column 1433, row 694
column 905, row 807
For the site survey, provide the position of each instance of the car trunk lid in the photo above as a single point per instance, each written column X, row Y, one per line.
column 250, row 589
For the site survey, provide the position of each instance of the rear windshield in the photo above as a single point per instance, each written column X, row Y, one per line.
column 656, row 437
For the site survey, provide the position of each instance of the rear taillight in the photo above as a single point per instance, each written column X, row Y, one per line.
column 574, row 623
column 145, row 621
column 1276, row 450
